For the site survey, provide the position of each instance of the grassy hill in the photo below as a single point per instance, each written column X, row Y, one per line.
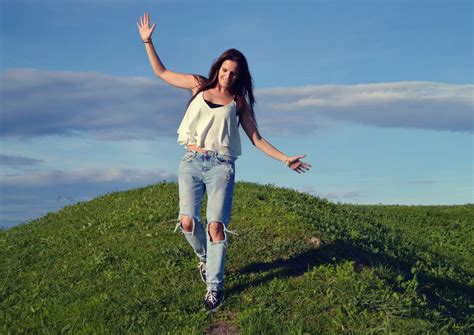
column 299, row 265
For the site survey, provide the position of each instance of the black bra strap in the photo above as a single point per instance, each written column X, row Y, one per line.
column 212, row 105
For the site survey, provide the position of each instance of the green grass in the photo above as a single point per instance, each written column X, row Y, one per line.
column 299, row 265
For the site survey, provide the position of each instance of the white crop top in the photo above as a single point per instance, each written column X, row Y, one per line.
column 213, row 129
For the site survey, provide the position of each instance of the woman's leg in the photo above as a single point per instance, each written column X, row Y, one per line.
column 220, row 187
column 191, row 191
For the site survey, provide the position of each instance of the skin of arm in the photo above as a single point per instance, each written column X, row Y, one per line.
column 254, row 135
column 252, row 132
column 180, row 80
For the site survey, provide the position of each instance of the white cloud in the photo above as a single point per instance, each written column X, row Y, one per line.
column 333, row 196
column 32, row 194
column 352, row 195
column 423, row 105
column 7, row 160
column 39, row 102
column 82, row 176
column 422, row 181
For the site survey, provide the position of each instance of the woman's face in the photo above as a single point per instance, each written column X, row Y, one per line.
column 228, row 73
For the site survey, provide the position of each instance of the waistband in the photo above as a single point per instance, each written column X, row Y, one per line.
column 208, row 153
column 205, row 152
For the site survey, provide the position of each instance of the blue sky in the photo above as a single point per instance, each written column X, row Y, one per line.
column 378, row 94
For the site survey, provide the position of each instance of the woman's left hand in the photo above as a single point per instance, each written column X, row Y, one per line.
column 298, row 165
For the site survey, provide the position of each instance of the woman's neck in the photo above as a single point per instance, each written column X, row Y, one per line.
column 221, row 90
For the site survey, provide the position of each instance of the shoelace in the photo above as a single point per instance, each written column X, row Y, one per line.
column 202, row 267
column 211, row 297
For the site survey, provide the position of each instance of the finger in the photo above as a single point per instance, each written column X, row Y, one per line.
column 303, row 168
column 141, row 20
column 296, row 158
column 152, row 28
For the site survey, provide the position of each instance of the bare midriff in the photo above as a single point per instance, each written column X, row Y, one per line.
column 196, row 148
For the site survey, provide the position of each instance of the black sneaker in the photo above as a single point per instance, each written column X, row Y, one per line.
column 213, row 300
column 202, row 270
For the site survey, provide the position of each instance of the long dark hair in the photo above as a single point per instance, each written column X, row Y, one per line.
column 242, row 88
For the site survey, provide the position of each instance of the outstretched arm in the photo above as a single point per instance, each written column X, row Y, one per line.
column 176, row 79
column 252, row 132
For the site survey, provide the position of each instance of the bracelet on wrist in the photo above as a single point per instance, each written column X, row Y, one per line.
column 147, row 40
column 286, row 161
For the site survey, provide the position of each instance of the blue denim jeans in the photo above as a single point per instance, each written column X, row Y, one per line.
column 212, row 173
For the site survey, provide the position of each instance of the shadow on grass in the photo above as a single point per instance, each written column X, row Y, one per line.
column 438, row 291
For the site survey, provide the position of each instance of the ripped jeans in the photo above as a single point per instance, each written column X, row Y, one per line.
column 212, row 173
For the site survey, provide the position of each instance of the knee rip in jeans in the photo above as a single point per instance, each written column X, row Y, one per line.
column 180, row 226
column 225, row 231
column 219, row 226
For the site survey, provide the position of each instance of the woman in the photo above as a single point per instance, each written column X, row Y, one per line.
column 209, row 131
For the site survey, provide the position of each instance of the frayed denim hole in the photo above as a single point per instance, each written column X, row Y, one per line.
column 229, row 172
column 224, row 241
column 179, row 225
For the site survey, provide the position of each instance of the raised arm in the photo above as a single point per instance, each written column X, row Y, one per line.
column 181, row 80
column 252, row 132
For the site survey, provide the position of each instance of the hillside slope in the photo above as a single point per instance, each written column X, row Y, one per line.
column 299, row 264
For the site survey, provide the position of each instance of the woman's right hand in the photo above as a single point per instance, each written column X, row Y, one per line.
column 145, row 30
